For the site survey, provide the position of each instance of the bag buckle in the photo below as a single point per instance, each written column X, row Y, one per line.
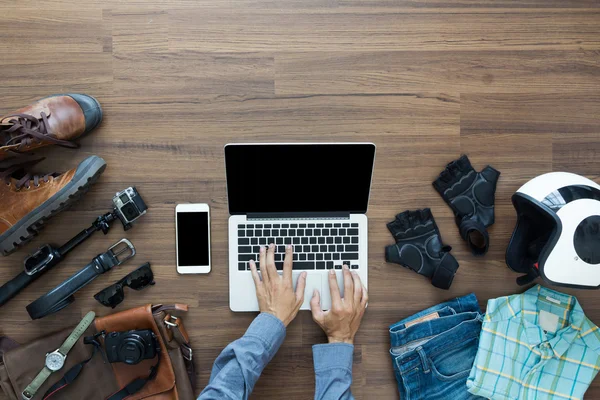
column 172, row 322
column 191, row 353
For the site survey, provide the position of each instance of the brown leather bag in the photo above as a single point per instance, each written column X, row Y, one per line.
column 175, row 379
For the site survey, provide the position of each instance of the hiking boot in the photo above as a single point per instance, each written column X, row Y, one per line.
column 55, row 120
column 27, row 201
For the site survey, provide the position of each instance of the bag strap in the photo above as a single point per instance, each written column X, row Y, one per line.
column 176, row 328
column 137, row 384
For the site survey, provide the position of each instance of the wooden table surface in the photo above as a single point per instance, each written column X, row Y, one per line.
column 511, row 83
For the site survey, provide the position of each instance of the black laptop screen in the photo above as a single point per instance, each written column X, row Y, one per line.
column 276, row 178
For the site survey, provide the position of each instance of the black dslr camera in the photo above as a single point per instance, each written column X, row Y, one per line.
column 131, row 347
column 129, row 206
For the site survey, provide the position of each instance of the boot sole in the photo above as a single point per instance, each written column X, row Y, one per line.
column 87, row 173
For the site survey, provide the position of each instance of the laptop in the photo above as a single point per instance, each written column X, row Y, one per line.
column 313, row 196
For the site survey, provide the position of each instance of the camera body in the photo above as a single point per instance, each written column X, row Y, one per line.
column 131, row 347
column 129, row 206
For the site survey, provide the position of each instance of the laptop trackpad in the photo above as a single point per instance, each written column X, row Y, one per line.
column 313, row 281
column 326, row 293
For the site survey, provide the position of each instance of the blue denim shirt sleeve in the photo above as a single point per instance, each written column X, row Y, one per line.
column 333, row 371
column 240, row 364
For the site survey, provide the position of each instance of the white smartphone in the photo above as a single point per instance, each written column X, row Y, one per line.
column 192, row 230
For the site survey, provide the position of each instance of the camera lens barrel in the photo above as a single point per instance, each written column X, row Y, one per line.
column 132, row 349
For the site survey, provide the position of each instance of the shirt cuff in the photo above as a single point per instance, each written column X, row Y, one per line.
column 333, row 356
column 269, row 329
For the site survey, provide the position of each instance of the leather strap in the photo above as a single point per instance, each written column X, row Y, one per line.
column 177, row 331
column 137, row 384
column 11, row 288
column 66, row 380
column 532, row 275
column 466, row 227
column 62, row 295
column 444, row 274
column 35, row 385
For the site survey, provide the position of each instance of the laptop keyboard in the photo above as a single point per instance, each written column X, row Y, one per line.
column 317, row 246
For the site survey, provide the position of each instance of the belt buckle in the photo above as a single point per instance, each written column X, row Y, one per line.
column 121, row 247
column 26, row 395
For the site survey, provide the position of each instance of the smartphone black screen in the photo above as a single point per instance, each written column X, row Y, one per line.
column 192, row 238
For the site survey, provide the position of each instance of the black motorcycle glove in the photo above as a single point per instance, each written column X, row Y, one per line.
column 419, row 247
column 470, row 194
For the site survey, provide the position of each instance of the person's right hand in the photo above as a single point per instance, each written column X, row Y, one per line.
column 342, row 321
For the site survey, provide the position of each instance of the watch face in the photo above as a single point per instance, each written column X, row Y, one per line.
column 54, row 361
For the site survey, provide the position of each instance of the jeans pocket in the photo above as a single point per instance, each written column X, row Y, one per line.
column 454, row 362
column 459, row 375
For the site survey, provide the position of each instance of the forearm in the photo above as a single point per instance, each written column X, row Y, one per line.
column 333, row 371
column 238, row 367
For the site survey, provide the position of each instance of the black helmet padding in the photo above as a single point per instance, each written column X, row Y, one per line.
column 537, row 226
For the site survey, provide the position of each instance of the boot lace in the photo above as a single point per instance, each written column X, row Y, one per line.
column 22, row 177
column 25, row 129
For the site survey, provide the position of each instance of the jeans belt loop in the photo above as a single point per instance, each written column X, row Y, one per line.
column 424, row 359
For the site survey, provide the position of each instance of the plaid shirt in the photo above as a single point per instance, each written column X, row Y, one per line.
column 536, row 345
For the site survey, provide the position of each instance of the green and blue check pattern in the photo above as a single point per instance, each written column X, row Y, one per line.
column 517, row 359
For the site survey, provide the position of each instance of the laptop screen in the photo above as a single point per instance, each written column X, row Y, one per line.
column 277, row 178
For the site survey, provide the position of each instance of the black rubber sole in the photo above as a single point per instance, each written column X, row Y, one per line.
column 87, row 173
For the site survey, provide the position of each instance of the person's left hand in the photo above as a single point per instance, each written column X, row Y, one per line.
column 275, row 293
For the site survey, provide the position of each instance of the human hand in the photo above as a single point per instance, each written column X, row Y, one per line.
column 342, row 321
column 275, row 293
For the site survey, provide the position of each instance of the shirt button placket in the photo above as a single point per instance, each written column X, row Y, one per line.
column 545, row 352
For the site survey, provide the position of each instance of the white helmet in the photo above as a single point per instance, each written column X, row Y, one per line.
column 558, row 231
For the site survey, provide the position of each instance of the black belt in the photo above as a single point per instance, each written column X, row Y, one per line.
column 62, row 295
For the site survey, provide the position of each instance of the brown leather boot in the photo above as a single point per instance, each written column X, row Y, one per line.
column 55, row 120
column 27, row 201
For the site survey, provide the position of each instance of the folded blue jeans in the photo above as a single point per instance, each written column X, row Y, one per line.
column 433, row 351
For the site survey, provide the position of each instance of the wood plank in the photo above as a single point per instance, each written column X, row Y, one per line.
column 384, row 30
column 436, row 71
column 78, row 30
column 560, row 113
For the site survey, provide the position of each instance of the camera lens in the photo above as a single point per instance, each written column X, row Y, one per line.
column 129, row 211
column 131, row 350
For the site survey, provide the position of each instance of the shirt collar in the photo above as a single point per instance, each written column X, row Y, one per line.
column 564, row 337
